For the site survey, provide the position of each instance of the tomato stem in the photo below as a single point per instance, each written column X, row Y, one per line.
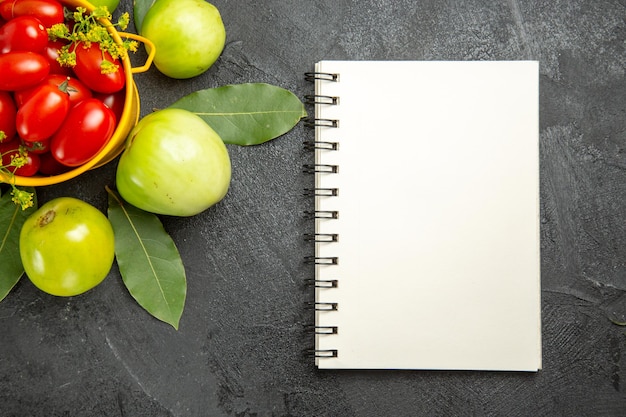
column 65, row 86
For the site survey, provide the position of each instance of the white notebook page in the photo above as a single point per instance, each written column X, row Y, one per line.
column 438, row 201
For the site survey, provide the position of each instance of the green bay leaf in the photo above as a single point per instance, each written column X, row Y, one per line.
column 12, row 217
column 246, row 114
column 148, row 260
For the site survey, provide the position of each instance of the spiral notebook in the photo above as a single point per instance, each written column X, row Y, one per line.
column 426, row 215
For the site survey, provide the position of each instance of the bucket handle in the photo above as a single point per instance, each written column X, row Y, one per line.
column 150, row 48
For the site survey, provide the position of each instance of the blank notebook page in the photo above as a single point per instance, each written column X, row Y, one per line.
column 437, row 195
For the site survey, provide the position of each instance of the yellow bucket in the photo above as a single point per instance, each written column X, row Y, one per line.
column 129, row 118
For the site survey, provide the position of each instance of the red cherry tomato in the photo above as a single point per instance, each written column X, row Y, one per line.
column 50, row 166
column 49, row 12
column 51, row 52
column 86, row 129
column 114, row 101
column 8, row 110
column 76, row 89
column 24, row 33
column 42, row 114
column 12, row 150
column 88, row 69
column 19, row 70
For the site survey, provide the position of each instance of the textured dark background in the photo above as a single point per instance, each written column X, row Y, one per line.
column 240, row 347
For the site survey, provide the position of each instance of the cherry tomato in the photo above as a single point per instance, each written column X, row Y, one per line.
column 84, row 132
column 24, row 33
column 19, row 70
column 50, row 12
column 39, row 147
column 12, row 150
column 51, row 52
column 42, row 114
column 88, row 69
column 50, row 166
column 8, row 110
column 114, row 101
column 76, row 89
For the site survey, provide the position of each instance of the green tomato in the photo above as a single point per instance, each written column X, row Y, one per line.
column 67, row 247
column 110, row 4
column 174, row 163
column 188, row 36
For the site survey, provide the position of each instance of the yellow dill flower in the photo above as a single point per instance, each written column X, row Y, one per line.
column 22, row 198
column 20, row 160
column 108, row 67
column 89, row 28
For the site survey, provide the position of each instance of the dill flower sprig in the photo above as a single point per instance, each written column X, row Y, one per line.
column 22, row 198
column 88, row 28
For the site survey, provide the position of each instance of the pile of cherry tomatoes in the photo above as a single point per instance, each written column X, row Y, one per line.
column 57, row 117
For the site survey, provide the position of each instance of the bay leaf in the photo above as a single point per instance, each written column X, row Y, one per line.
column 140, row 8
column 245, row 114
column 12, row 217
column 148, row 260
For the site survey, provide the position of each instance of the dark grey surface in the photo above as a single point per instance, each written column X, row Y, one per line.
column 239, row 350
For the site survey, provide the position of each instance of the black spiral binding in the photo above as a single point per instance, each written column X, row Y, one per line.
column 322, row 260
column 321, row 122
column 329, row 146
column 321, row 238
column 324, row 76
column 322, row 329
column 323, row 168
column 319, row 99
column 322, row 214
column 322, row 283
column 321, row 306
column 322, row 192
